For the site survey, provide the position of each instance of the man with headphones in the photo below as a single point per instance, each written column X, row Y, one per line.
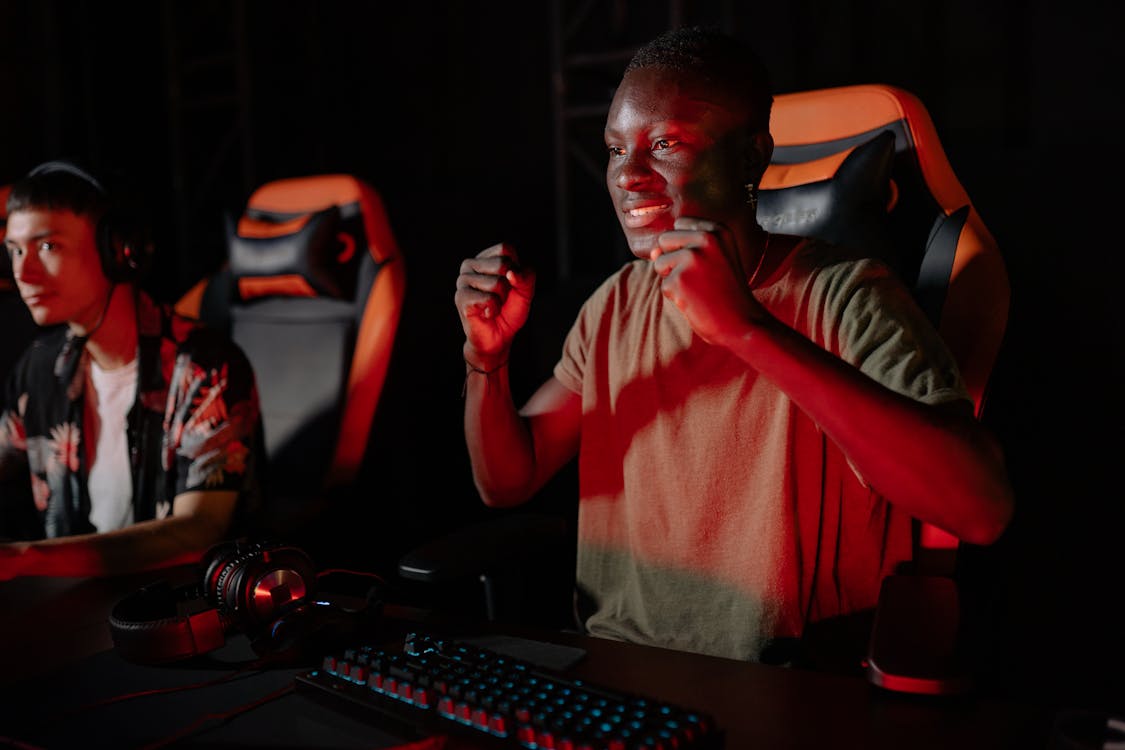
column 139, row 430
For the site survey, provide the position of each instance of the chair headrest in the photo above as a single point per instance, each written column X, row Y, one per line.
column 844, row 198
column 305, row 255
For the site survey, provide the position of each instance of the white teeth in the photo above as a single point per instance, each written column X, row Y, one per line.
column 645, row 210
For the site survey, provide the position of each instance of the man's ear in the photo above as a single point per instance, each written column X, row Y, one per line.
column 759, row 151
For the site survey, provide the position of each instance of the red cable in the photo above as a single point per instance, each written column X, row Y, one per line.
column 18, row 744
column 224, row 716
column 377, row 577
column 160, row 691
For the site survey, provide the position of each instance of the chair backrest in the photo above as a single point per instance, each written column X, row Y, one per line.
column 864, row 165
column 5, row 264
column 18, row 330
column 312, row 291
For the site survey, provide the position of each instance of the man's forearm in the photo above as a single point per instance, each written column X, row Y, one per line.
column 499, row 441
column 143, row 546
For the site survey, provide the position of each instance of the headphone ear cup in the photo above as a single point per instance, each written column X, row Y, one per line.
column 286, row 635
column 124, row 247
column 263, row 582
column 213, row 563
column 311, row 629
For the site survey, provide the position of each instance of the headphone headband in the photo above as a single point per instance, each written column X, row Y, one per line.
column 50, row 167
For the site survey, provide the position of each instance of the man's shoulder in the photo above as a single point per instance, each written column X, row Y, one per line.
column 33, row 379
column 192, row 346
column 41, row 353
column 200, row 341
column 825, row 262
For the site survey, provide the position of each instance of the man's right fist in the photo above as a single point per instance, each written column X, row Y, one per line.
column 493, row 299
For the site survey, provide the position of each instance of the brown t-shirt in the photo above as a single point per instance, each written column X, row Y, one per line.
column 714, row 513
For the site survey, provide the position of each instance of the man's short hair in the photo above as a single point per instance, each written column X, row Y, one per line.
column 59, row 189
column 718, row 57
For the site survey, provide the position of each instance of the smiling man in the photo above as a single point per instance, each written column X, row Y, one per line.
column 757, row 418
column 137, row 430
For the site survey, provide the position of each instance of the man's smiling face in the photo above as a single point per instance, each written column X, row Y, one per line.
column 677, row 147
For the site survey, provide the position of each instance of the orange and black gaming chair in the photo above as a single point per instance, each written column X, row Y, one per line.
column 19, row 329
column 7, row 283
column 932, row 234
column 863, row 165
column 312, row 291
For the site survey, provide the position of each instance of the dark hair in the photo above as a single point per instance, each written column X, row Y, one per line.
column 59, row 186
column 720, row 58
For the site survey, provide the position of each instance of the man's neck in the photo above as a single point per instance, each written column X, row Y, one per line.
column 752, row 242
column 113, row 343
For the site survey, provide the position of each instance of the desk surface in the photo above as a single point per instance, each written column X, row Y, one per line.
column 57, row 656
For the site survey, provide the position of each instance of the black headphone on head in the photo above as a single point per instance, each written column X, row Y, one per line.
column 122, row 237
column 267, row 591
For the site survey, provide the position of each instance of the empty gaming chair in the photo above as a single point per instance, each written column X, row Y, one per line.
column 863, row 165
column 312, row 291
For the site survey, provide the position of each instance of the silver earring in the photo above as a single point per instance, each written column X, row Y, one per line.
column 752, row 194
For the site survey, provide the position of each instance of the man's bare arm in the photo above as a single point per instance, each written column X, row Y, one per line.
column 936, row 462
column 514, row 453
column 201, row 518
column 939, row 464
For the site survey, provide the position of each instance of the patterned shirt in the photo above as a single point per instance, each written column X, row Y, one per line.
column 194, row 425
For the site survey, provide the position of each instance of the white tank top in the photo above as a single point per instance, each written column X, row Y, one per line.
column 109, row 396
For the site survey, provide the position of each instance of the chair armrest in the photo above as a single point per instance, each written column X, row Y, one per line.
column 917, row 643
column 477, row 549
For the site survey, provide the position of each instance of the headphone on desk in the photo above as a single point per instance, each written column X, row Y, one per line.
column 122, row 237
column 266, row 590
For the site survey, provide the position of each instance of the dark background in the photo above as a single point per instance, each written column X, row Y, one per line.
column 448, row 110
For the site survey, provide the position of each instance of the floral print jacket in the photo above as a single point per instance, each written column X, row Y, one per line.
column 194, row 424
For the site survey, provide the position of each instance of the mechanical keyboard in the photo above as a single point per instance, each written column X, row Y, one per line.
column 456, row 688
